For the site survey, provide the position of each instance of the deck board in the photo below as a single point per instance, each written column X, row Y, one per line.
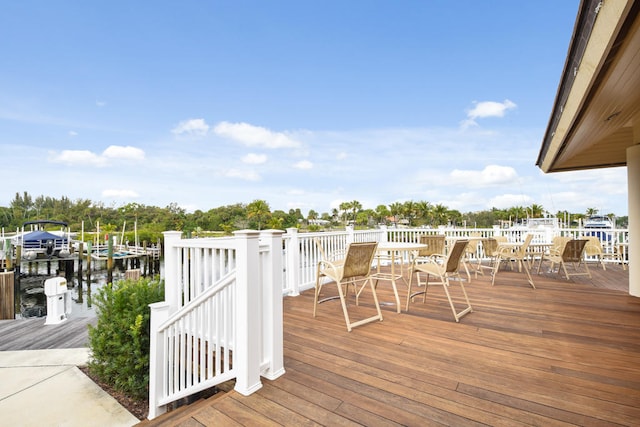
column 566, row 353
column 33, row 334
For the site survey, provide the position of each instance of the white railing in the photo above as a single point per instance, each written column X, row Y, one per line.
column 302, row 255
column 221, row 318
column 222, row 314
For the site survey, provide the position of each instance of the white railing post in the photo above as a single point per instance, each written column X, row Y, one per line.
column 159, row 314
column 272, row 339
column 293, row 262
column 246, row 351
column 350, row 234
column 384, row 236
column 171, row 268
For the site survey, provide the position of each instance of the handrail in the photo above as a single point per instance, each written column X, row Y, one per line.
column 226, row 281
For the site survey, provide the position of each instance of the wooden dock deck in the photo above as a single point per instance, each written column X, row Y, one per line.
column 33, row 334
column 566, row 353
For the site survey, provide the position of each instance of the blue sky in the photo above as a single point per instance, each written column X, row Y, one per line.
column 304, row 104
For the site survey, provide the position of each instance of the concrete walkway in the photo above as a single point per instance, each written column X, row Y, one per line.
column 46, row 388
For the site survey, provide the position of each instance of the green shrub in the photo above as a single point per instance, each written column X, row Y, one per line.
column 119, row 342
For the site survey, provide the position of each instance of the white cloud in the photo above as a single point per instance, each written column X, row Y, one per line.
column 341, row 156
column 73, row 133
column 490, row 175
column 487, row 109
column 120, row 194
column 244, row 175
column 100, row 103
column 254, row 159
column 88, row 158
column 191, row 127
column 119, row 152
column 303, row 164
column 254, row 136
column 74, row 157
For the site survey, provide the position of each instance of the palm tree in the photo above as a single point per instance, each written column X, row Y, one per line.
column 382, row 212
column 424, row 211
column 409, row 211
column 258, row 210
column 592, row 212
column 344, row 207
column 536, row 211
column 395, row 209
column 441, row 214
column 356, row 206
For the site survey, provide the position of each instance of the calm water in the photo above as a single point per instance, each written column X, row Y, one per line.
column 33, row 301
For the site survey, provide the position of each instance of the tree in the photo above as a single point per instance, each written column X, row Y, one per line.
column 409, row 211
column 424, row 211
column 355, row 208
column 591, row 212
column 537, row 211
column 258, row 211
column 382, row 212
column 440, row 214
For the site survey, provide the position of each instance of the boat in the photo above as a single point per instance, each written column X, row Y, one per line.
column 598, row 221
column 597, row 226
column 40, row 243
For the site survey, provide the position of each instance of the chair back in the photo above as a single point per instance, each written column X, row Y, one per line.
column 359, row 259
column 557, row 244
column 490, row 246
column 574, row 250
column 593, row 246
column 455, row 255
column 435, row 244
column 522, row 250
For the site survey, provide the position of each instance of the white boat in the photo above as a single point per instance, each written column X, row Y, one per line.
column 598, row 221
column 597, row 224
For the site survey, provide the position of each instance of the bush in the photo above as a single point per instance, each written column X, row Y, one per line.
column 120, row 340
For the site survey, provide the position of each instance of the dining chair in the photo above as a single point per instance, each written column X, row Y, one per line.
column 436, row 245
column 490, row 250
column 555, row 250
column 354, row 269
column 444, row 269
column 593, row 248
column 514, row 254
column 572, row 254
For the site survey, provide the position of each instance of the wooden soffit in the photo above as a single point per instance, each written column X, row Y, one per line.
column 598, row 101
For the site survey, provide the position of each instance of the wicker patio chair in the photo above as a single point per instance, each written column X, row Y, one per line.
column 354, row 269
column 444, row 269
column 514, row 254
column 572, row 254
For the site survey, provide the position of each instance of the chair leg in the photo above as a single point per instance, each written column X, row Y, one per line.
column 494, row 273
column 410, row 295
column 316, row 293
column 468, row 309
column 378, row 316
column 409, row 290
column 343, row 302
column 526, row 270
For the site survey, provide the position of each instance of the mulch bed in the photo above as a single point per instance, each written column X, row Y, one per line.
column 139, row 408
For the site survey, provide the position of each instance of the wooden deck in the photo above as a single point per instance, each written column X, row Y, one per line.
column 566, row 353
column 33, row 334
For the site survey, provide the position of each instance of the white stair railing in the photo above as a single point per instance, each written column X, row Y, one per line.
column 221, row 318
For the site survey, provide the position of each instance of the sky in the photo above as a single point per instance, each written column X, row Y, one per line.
column 302, row 104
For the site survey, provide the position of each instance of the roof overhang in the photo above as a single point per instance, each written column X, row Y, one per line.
column 598, row 99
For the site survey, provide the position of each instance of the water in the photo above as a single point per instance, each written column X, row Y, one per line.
column 33, row 301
